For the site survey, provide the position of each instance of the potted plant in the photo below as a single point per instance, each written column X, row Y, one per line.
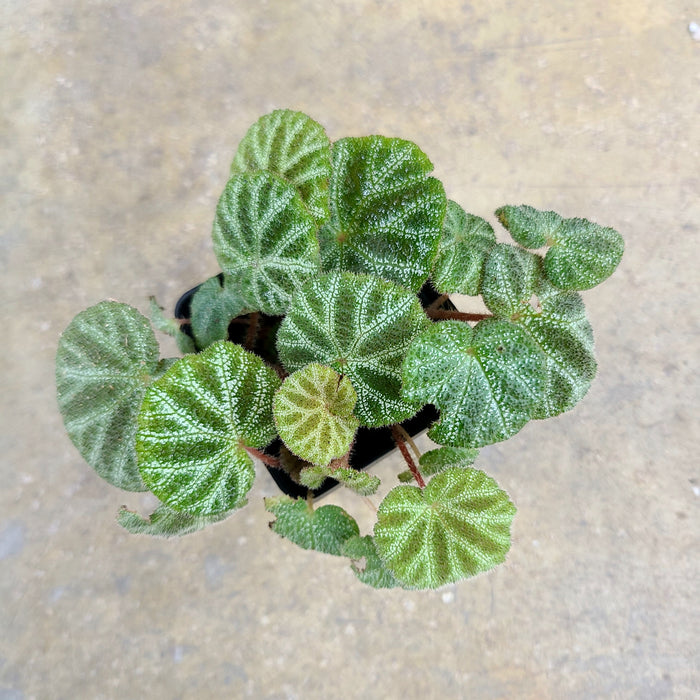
column 314, row 334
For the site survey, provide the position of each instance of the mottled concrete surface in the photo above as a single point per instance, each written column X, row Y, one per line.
column 119, row 120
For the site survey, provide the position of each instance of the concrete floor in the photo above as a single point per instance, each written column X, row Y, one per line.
column 119, row 120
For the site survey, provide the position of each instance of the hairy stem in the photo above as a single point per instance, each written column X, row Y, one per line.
column 252, row 334
column 409, row 440
column 401, row 444
column 270, row 461
column 438, row 302
column 441, row 314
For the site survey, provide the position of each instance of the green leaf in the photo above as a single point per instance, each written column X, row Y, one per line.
column 510, row 275
column 294, row 147
column 561, row 330
column 194, row 426
column 367, row 565
column 485, row 381
column 456, row 527
column 170, row 327
column 106, row 359
column 265, row 238
column 357, row 481
column 583, row 254
column 465, row 242
column 386, row 213
column 324, row 529
column 406, row 476
column 528, row 226
column 435, row 461
column 165, row 522
column 313, row 410
column 213, row 307
column 360, row 326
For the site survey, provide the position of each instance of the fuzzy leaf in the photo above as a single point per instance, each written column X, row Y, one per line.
column 528, row 226
column 106, row 359
column 265, row 238
column 562, row 332
column 485, row 381
column 165, row 522
column 213, row 307
column 294, row 147
column 367, row 565
column 583, row 254
column 435, row 461
column 357, row 481
column 464, row 245
column 195, row 423
column 510, row 275
column 324, row 529
column 171, row 327
column 386, row 213
column 360, row 326
column 313, row 410
column 456, row 527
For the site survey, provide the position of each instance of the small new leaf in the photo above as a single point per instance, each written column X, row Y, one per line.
column 366, row 564
column 528, row 226
column 213, row 307
column 106, row 359
column 194, row 426
column 485, row 381
column 456, row 527
column 465, row 242
column 324, row 529
column 435, row 461
column 313, row 410
column 357, row 481
column 165, row 522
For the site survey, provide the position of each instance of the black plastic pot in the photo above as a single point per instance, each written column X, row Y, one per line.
column 370, row 443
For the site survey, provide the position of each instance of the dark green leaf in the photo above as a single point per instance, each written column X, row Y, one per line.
column 367, row 565
column 214, row 305
column 510, row 275
column 528, row 226
column 165, row 522
column 442, row 458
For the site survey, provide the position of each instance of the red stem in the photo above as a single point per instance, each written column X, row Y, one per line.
column 264, row 458
column 252, row 334
column 401, row 444
column 440, row 314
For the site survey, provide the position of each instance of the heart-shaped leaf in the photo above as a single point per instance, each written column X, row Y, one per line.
column 360, row 326
column 294, row 147
column 367, row 565
column 360, row 482
column 194, row 426
column 528, row 226
column 165, row 522
column 313, row 410
column 386, row 213
column 265, row 238
column 510, row 276
column 485, row 381
column 456, row 527
column 465, row 242
column 106, row 359
column 323, row 529
column 435, row 461
column 214, row 305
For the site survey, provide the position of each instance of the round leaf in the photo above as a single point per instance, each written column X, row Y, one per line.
column 265, row 238
column 362, row 327
column 195, row 423
column 510, row 275
column 294, row 147
column 456, row 527
column 106, row 359
column 313, row 410
column 583, row 254
column 528, row 226
column 485, row 381
column 386, row 213
column 464, row 245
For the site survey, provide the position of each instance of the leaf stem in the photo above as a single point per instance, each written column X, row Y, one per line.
column 409, row 440
column 438, row 302
column 441, row 314
column 267, row 459
column 253, row 327
column 401, row 444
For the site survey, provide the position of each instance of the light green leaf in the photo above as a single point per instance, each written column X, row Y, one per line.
column 386, row 213
column 435, row 461
column 195, row 423
column 324, row 529
column 485, row 381
column 265, row 238
column 510, row 275
column 313, row 410
column 360, row 326
column 171, row 327
column 357, row 481
column 294, row 147
column 214, row 305
column 465, row 242
column 367, row 565
column 528, row 226
column 106, row 359
column 165, row 522
column 456, row 527
column 583, row 254
column 561, row 330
